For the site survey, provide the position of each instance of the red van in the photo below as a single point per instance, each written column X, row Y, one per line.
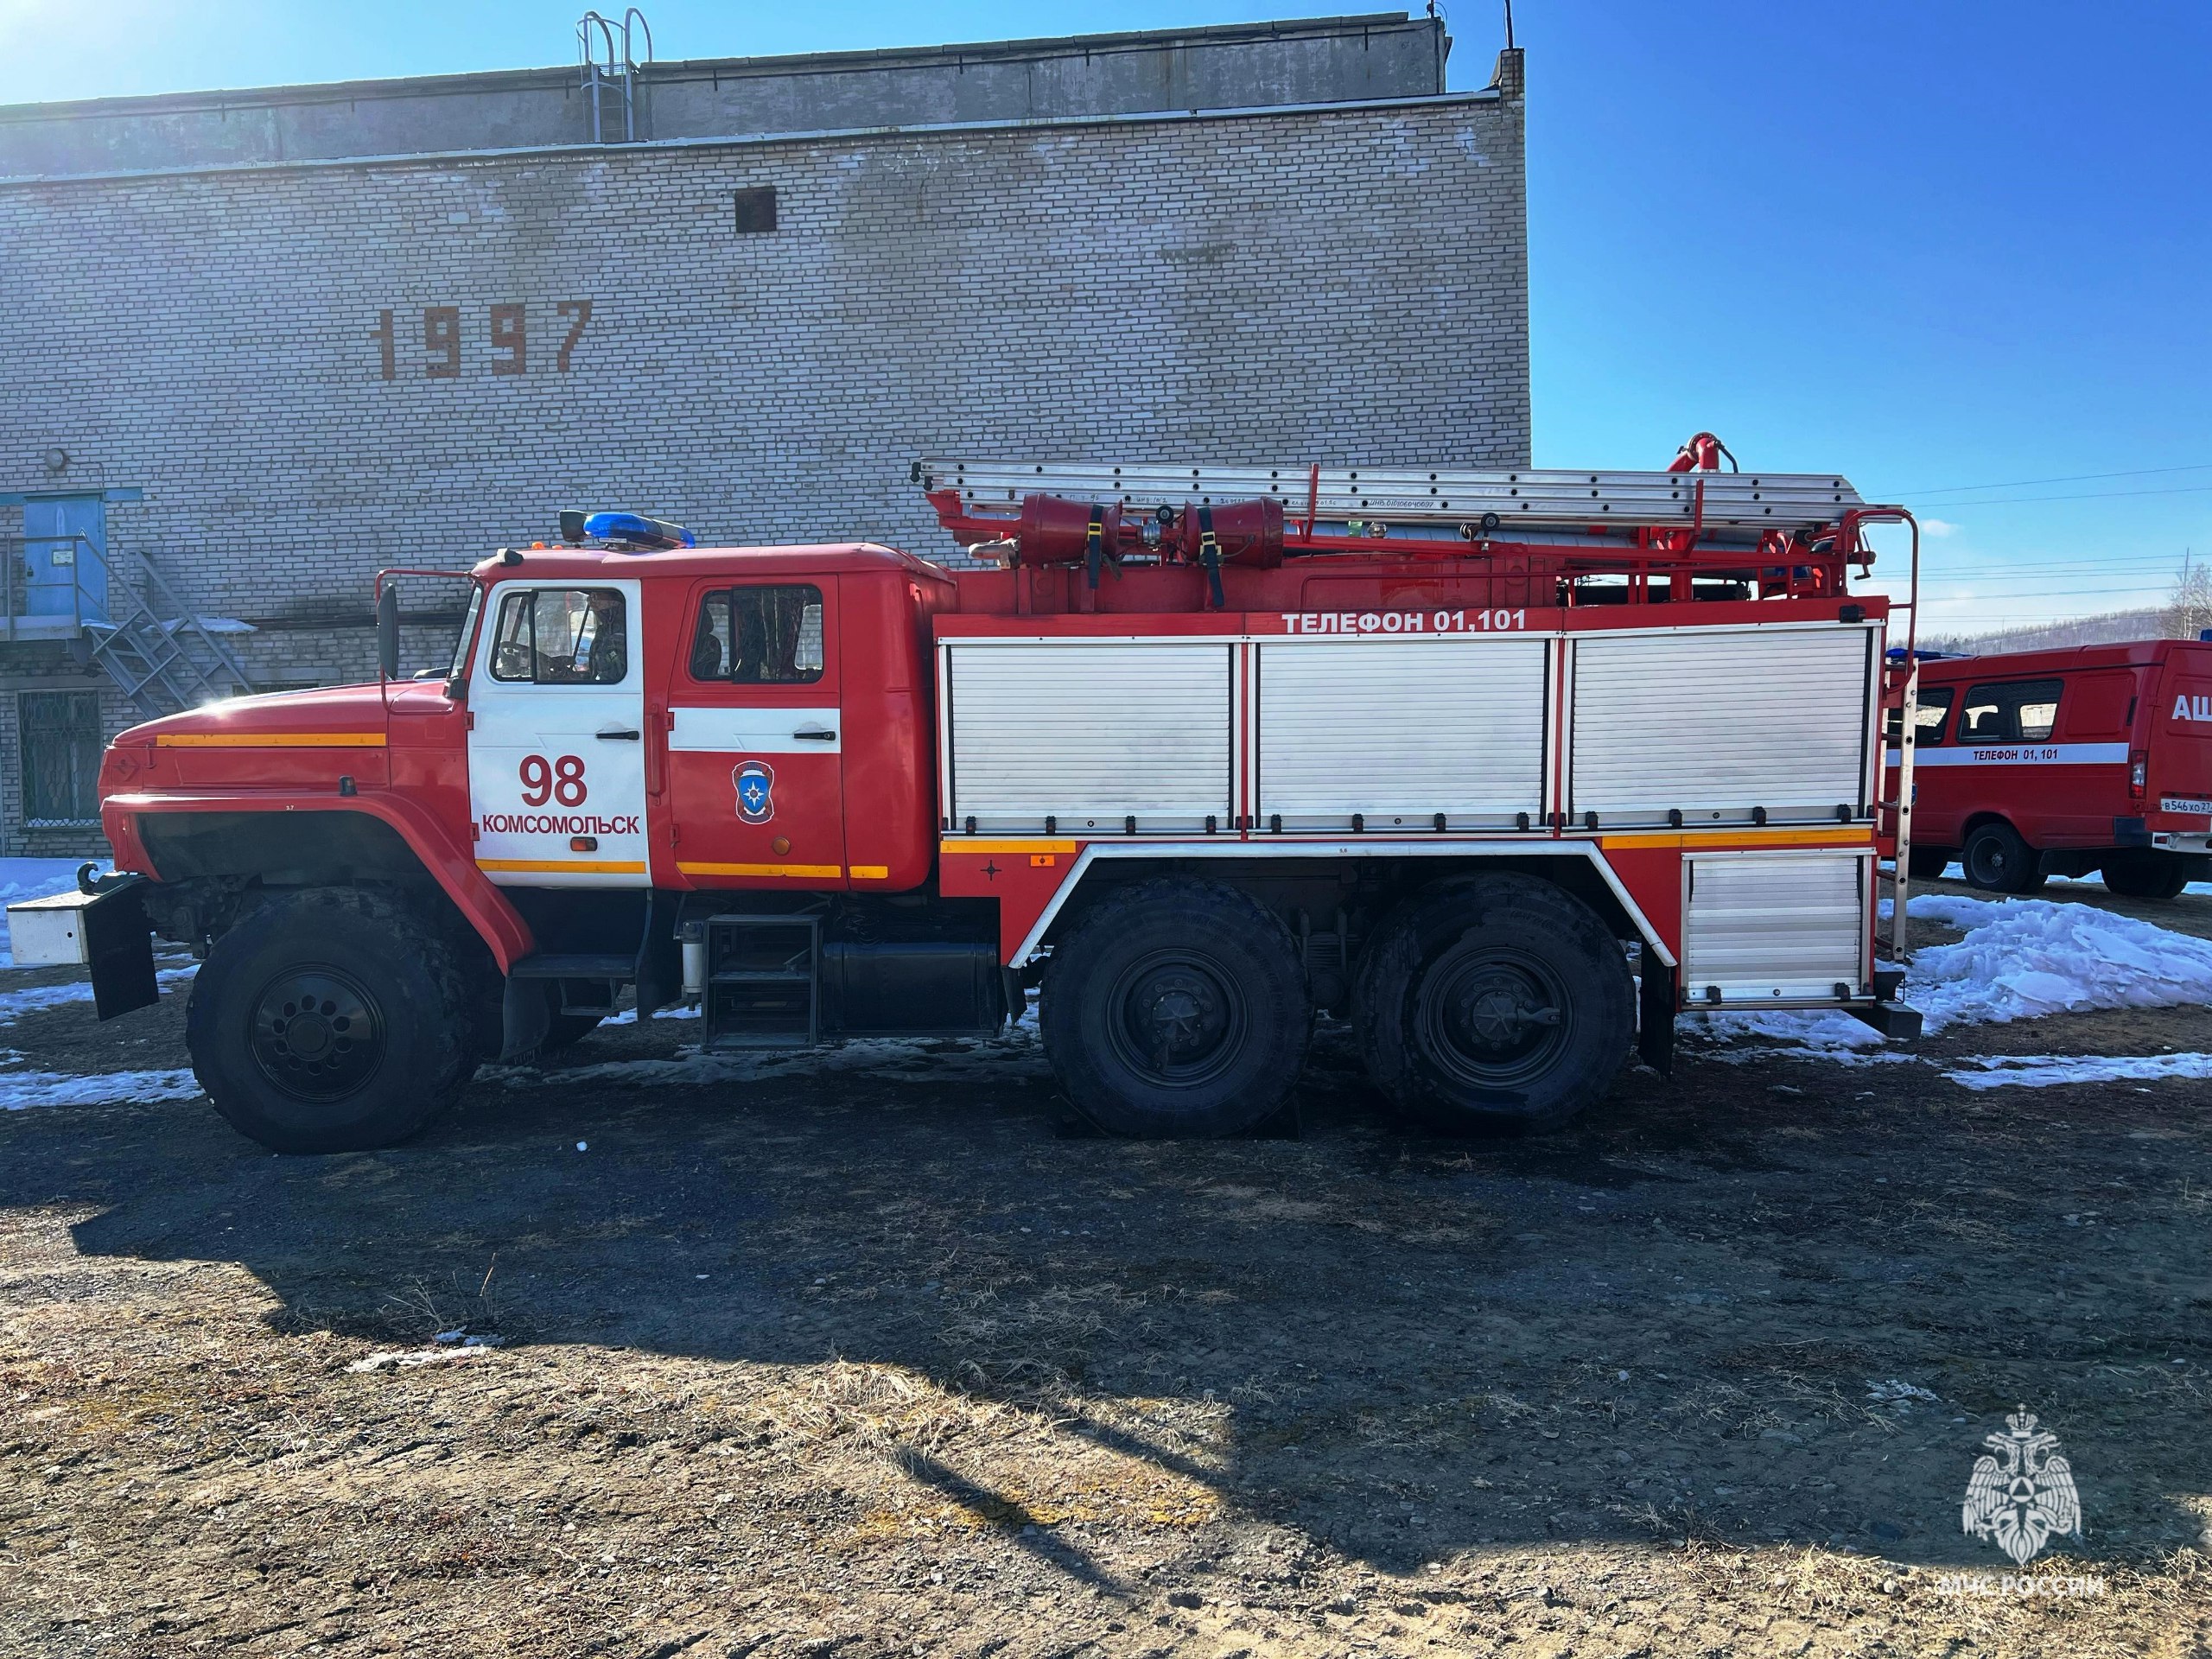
column 2043, row 763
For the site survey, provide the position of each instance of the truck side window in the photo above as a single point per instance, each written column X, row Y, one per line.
column 562, row 636
column 760, row 635
column 1927, row 716
column 2022, row 712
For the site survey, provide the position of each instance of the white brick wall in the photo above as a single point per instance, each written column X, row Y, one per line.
column 1347, row 286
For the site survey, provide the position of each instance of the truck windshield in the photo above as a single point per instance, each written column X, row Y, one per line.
column 459, row 665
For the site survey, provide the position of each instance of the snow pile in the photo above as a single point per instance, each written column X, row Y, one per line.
column 2045, row 1071
column 21, row 1089
column 32, row 877
column 2024, row 959
column 2021, row 959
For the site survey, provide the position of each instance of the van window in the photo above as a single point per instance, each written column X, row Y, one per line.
column 761, row 635
column 1927, row 716
column 562, row 636
column 2022, row 712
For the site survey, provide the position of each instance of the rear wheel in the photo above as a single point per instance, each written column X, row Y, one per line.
column 1996, row 859
column 2144, row 872
column 1502, row 1004
column 1176, row 1008
column 329, row 1021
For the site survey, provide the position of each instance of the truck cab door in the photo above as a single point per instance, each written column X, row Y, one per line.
column 556, row 776
column 755, row 737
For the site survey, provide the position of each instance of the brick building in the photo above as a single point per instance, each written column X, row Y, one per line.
column 261, row 343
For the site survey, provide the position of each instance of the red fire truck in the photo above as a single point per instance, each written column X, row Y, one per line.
column 1205, row 751
column 2033, row 764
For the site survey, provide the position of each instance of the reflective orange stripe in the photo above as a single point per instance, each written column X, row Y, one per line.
column 798, row 872
column 269, row 740
column 561, row 866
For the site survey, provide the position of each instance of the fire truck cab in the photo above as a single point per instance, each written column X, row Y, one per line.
column 2097, row 758
column 1209, row 752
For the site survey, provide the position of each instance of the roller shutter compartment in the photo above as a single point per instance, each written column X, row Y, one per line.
column 1401, row 730
column 1716, row 724
column 1088, row 734
column 1773, row 929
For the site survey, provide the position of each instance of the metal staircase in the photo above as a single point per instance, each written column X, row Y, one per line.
column 160, row 652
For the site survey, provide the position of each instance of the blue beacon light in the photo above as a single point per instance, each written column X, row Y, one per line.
column 639, row 532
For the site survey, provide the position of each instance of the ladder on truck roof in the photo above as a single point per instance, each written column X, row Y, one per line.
column 1725, row 507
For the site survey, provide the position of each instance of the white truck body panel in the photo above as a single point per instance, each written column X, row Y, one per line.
column 1714, row 722
column 1771, row 929
column 1089, row 733
column 1399, row 730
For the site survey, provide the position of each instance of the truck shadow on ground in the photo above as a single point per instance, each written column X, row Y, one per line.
column 1765, row 1304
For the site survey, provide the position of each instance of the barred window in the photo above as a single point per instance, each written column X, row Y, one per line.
column 62, row 740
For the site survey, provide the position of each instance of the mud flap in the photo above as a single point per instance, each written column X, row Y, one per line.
column 1656, row 996
column 525, row 1017
column 119, row 945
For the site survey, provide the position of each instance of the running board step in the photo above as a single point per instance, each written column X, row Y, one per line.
column 764, row 981
column 604, row 965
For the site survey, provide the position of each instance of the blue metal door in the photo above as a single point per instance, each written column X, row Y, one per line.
column 68, row 578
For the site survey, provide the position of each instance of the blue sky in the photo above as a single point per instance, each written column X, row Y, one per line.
column 1927, row 246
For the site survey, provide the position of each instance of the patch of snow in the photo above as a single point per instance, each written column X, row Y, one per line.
column 407, row 1360
column 35, row 999
column 629, row 1016
column 1800, row 1033
column 2047, row 1070
column 1895, row 1388
column 20, row 1090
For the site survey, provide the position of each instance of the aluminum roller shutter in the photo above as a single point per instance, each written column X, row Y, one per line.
column 1771, row 928
column 1400, row 730
column 1717, row 724
column 1089, row 733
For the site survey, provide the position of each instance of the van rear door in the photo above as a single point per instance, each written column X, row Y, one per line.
column 2179, row 786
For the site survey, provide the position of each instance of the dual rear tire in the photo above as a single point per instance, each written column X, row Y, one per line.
column 1180, row 1008
column 1500, row 1004
column 2144, row 872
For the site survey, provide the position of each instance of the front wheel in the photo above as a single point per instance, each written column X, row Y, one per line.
column 331, row 1019
column 1500, row 1004
column 1176, row 1008
column 1996, row 859
column 2144, row 872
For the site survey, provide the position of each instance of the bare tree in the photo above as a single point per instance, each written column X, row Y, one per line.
column 2190, row 612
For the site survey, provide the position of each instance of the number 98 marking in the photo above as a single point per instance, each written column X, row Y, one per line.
column 561, row 781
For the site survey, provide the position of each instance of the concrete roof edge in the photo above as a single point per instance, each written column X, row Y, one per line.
column 564, row 76
column 751, row 141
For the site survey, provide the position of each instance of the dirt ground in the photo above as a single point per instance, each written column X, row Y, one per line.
column 859, row 1354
